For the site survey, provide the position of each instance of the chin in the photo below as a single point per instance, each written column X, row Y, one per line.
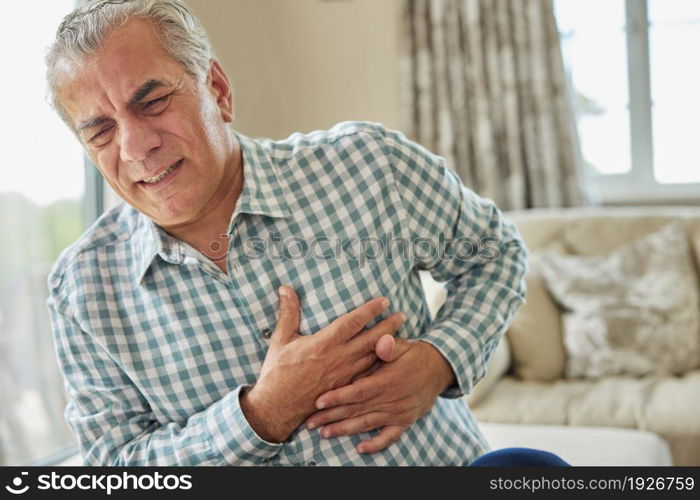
column 175, row 214
column 167, row 220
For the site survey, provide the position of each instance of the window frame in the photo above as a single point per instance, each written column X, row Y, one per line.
column 638, row 184
column 94, row 199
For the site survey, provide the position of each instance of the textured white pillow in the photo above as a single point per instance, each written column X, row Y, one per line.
column 634, row 311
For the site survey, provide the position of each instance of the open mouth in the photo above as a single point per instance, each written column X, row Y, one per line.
column 152, row 181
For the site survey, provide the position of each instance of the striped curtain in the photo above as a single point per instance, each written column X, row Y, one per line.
column 483, row 85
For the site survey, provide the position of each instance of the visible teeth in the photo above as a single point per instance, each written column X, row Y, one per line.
column 153, row 180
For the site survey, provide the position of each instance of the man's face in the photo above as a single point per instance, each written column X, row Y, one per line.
column 159, row 137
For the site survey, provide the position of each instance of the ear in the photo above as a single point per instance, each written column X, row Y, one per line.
column 221, row 89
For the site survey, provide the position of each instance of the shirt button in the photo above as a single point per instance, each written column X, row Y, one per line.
column 266, row 333
column 312, row 464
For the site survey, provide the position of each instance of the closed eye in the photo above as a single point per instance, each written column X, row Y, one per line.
column 100, row 138
column 156, row 105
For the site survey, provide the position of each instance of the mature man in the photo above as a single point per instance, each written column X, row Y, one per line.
column 165, row 312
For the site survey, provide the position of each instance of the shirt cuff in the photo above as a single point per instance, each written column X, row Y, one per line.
column 444, row 339
column 231, row 434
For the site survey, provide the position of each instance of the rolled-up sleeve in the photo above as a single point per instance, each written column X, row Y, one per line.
column 475, row 250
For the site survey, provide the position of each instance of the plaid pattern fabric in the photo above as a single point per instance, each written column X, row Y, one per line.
column 155, row 342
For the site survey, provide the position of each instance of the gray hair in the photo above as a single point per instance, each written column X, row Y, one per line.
column 83, row 31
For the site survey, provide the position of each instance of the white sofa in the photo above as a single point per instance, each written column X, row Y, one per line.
column 584, row 445
column 525, row 399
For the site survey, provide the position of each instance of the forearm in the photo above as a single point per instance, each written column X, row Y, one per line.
column 265, row 418
column 480, row 306
column 115, row 424
column 218, row 435
column 484, row 290
column 444, row 375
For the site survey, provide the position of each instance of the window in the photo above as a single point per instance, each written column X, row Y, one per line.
column 634, row 89
column 42, row 211
column 674, row 36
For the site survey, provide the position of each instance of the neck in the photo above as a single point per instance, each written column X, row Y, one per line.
column 208, row 232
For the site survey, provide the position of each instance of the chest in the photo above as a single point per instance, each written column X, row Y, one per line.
column 189, row 334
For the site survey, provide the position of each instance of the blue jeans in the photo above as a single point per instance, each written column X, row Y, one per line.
column 519, row 457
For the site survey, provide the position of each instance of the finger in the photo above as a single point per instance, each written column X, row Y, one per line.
column 350, row 324
column 389, row 349
column 288, row 317
column 369, row 371
column 362, row 344
column 384, row 348
column 357, row 392
column 363, row 364
column 362, row 423
column 386, row 437
column 334, row 415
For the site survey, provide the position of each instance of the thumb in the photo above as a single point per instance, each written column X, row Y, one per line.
column 389, row 349
column 288, row 316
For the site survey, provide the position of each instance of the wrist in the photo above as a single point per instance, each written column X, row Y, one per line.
column 260, row 412
column 444, row 375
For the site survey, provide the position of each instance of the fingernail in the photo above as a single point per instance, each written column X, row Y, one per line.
column 284, row 292
column 326, row 433
column 311, row 425
column 384, row 303
column 360, row 449
column 403, row 317
column 321, row 405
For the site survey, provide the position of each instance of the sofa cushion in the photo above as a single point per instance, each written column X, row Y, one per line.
column 583, row 445
column 535, row 335
column 603, row 234
column 667, row 406
column 634, row 311
column 497, row 366
column 584, row 231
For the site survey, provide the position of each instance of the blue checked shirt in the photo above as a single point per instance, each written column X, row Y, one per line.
column 155, row 342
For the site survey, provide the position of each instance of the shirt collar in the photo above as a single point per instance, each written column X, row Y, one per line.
column 262, row 191
column 149, row 241
column 262, row 194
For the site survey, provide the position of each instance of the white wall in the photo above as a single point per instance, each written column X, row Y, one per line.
column 300, row 65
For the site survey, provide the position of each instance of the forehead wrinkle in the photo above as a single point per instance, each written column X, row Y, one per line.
column 138, row 95
column 112, row 84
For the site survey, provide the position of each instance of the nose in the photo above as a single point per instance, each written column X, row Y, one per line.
column 138, row 139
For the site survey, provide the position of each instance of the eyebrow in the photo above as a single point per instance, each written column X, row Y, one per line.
column 144, row 90
column 136, row 98
column 92, row 122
